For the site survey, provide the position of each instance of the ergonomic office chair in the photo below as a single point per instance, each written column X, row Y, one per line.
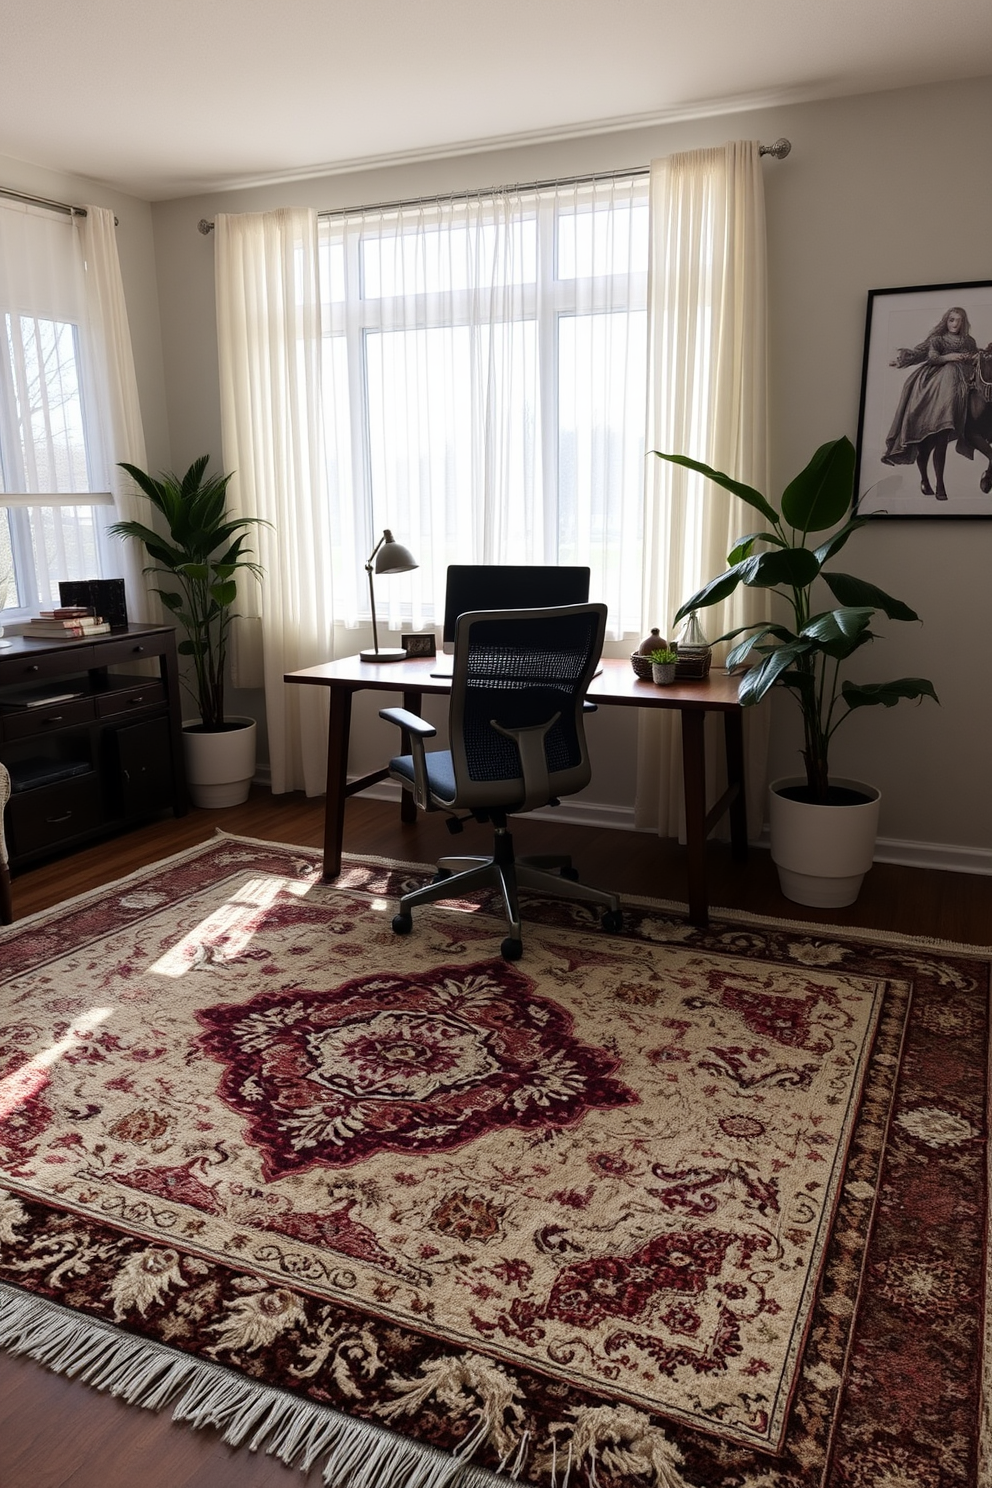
column 6, row 906
column 516, row 742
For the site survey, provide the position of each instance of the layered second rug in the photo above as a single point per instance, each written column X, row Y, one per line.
column 605, row 1211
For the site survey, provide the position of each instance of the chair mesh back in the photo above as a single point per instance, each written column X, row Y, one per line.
column 519, row 668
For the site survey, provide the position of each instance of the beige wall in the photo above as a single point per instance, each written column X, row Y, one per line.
column 881, row 190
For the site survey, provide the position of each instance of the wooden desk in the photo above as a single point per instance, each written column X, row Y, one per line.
column 616, row 686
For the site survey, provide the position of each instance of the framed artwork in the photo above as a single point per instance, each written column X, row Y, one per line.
column 925, row 425
column 419, row 645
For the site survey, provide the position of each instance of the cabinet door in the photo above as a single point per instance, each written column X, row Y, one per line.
column 142, row 774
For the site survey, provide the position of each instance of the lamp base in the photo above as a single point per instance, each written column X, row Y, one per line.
column 390, row 654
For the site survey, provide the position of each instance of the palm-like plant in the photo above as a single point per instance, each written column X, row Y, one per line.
column 202, row 555
column 806, row 659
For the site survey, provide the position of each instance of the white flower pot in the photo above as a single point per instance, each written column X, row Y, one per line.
column 663, row 673
column 822, row 853
column 219, row 766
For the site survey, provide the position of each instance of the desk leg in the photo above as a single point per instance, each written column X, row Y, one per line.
column 338, row 733
column 733, row 730
column 412, row 702
column 694, row 783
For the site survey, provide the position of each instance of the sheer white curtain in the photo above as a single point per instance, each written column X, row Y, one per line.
column 68, row 402
column 117, row 398
column 269, row 342
column 707, row 399
column 484, row 377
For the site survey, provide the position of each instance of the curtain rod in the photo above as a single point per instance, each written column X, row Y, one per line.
column 779, row 150
column 43, row 201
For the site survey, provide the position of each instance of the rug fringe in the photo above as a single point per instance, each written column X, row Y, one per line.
column 141, row 1372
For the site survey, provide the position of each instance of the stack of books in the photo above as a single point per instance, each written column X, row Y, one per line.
column 70, row 622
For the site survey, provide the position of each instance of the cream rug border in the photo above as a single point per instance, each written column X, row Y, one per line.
column 358, row 1455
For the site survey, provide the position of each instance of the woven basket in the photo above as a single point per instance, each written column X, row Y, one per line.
column 642, row 666
column 693, row 668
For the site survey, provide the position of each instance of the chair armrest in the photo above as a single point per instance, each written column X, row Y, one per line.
column 419, row 727
column 416, row 730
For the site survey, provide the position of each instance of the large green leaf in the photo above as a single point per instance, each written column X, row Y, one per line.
column 713, row 592
column 224, row 593
column 820, row 495
column 835, row 625
column 740, row 653
column 793, row 566
column 852, row 591
column 736, row 488
column 834, row 543
column 757, row 682
column 868, row 694
column 744, row 546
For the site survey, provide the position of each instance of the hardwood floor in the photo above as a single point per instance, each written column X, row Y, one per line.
column 59, row 1434
column 914, row 901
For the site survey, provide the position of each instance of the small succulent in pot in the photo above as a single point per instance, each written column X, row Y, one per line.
column 664, row 657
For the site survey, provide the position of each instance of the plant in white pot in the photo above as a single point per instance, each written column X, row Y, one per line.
column 822, row 828
column 199, row 559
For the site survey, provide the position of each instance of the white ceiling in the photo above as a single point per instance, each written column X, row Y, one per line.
column 166, row 98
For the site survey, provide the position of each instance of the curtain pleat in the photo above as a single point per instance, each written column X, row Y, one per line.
column 269, row 344
column 117, row 397
column 707, row 398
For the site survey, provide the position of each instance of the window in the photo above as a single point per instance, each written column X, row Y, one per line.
column 484, row 380
column 50, row 469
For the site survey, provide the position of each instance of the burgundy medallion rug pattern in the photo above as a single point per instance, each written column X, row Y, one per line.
column 675, row 1207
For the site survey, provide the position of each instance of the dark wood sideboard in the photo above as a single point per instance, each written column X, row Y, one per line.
column 91, row 748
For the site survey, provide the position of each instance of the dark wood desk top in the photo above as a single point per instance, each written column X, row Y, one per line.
column 616, row 683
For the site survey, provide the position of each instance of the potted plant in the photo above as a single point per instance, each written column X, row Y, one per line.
column 823, row 829
column 663, row 662
column 198, row 562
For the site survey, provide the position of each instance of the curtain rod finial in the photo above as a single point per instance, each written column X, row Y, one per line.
column 779, row 149
column 205, row 226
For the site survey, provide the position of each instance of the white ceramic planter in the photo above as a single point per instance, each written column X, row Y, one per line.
column 822, row 852
column 663, row 673
column 219, row 767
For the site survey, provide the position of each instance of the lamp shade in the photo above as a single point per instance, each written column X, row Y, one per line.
column 393, row 557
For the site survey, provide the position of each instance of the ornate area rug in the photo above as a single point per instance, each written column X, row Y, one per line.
column 674, row 1208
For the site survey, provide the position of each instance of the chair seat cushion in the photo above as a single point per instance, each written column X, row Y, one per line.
column 440, row 772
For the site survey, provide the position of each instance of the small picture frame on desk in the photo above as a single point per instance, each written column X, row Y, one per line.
column 419, row 645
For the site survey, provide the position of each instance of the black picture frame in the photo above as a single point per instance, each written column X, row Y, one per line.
column 104, row 596
column 419, row 645
column 904, row 388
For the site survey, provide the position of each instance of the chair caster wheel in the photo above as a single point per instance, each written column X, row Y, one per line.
column 402, row 924
column 612, row 921
column 572, row 874
column 511, row 950
column 441, row 875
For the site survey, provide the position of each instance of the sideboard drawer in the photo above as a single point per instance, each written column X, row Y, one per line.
column 43, row 818
column 141, row 694
column 113, row 653
column 33, row 721
column 32, row 665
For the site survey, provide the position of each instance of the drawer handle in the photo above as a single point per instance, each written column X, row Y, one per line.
column 135, row 702
column 53, row 821
column 53, row 718
column 137, row 649
column 35, row 668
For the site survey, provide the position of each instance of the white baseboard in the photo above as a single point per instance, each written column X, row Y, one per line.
column 946, row 856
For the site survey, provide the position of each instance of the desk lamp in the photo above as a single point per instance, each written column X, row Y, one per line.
column 390, row 557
